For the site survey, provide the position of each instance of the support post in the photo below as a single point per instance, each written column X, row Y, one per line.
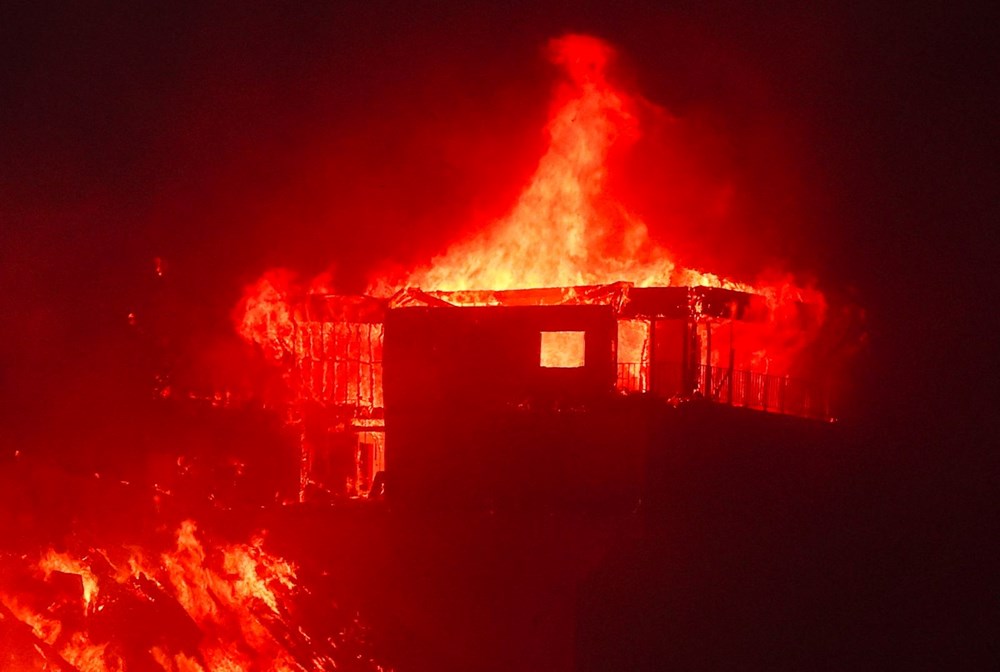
column 709, row 391
column 652, row 355
column 732, row 363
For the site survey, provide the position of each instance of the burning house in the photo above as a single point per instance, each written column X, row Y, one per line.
column 558, row 357
column 443, row 366
column 565, row 304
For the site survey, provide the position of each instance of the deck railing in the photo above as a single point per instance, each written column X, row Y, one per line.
column 787, row 395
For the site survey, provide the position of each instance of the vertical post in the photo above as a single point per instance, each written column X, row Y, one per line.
column 827, row 401
column 685, row 358
column 732, row 362
column 709, row 392
column 371, row 369
column 294, row 418
column 652, row 354
column 781, row 393
column 335, row 353
column 689, row 340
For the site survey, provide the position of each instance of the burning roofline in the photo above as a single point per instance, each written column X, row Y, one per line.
column 627, row 300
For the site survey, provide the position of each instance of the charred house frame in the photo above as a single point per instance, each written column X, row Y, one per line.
column 674, row 344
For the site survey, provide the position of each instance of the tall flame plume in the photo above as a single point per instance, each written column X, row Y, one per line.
column 565, row 229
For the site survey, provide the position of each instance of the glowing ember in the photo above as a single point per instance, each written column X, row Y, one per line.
column 563, row 349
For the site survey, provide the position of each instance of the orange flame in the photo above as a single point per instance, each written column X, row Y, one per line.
column 62, row 562
column 564, row 229
column 237, row 597
column 265, row 314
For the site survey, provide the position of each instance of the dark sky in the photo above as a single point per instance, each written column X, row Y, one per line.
column 231, row 138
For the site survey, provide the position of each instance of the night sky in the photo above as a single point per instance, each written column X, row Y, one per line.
column 860, row 139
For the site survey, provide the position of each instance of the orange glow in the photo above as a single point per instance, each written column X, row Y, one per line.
column 633, row 355
column 563, row 349
column 62, row 562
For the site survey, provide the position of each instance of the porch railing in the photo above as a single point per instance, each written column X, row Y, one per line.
column 787, row 395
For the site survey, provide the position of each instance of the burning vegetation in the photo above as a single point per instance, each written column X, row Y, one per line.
column 179, row 601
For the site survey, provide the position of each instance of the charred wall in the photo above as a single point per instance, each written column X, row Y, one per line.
column 473, row 418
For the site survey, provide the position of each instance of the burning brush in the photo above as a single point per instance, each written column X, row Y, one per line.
column 195, row 607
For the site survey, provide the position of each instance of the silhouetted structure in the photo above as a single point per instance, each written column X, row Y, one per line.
column 473, row 378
